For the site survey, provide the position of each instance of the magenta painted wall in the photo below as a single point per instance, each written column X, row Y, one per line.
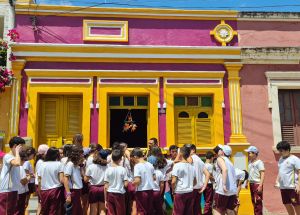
column 94, row 115
column 257, row 124
column 55, row 29
column 272, row 34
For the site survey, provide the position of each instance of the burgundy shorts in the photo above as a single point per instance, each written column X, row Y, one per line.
column 222, row 202
column 290, row 196
column 131, row 191
column 21, row 204
column 96, row 194
column 144, row 202
column 8, row 202
column 76, row 202
column 85, row 188
column 52, row 201
column 183, row 203
column 31, row 187
column 116, row 204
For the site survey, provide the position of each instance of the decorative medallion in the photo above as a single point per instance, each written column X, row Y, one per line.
column 223, row 33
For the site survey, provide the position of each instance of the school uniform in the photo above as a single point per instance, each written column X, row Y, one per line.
column 115, row 176
column 239, row 176
column 130, row 189
column 22, row 194
column 288, row 178
column 165, row 176
column 89, row 160
column 9, row 182
column 96, row 173
column 254, row 180
column 183, row 200
column 52, row 192
column 31, row 185
column 208, row 192
column 157, row 201
column 222, row 200
column 144, row 192
column 199, row 166
column 37, row 167
column 75, row 185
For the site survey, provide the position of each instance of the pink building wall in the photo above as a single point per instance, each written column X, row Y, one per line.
column 268, row 34
column 257, row 124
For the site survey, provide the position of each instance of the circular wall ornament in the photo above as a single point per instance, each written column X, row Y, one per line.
column 223, row 33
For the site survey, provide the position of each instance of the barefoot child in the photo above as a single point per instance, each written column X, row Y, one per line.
column 115, row 182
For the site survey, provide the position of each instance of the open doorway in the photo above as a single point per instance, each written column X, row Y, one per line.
column 138, row 138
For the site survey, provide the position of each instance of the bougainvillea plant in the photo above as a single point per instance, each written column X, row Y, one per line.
column 6, row 76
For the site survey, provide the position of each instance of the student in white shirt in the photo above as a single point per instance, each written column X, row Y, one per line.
column 30, row 152
column 202, row 177
column 226, row 188
column 10, row 176
column 130, row 189
column 241, row 177
column 256, row 178
column 94, row 174
column 66, row 152
column 158, row 189
column 143, row 181
column 209, row 190
column 23, row 186
column 73, row 179
column 183, row 181
column 95, row 149
column 288, row 178
column 115, row 182
column 50, row 177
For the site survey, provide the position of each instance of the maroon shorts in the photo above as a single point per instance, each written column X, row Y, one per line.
column 183, row 203
column 290, row 196
column 76, row 202
column 52, row 201
column 116, row 204
column 85, row 188
column 196, row 206
column 157, row 203
column 31, row 188
column 144, row 202
column 256, row 198
column 222, row 202
column 131, row 191
column 209, row 197
column 8, row 202
column 21, row 204
column 96, row 194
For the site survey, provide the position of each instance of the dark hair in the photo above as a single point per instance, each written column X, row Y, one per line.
column 186, row 151
column 67, row 149
column 115, row 145
column 95, row 147
column 283, row 145
column 116, row 155
column 52, row 154
column 173, row 147
column 216, row 149
column 23, row 155
column 137, row 152
column 75, row 155
column 155, row 151
column 16, row 141
column 155, row 141
column 78, row 139
column 209, row 155
column 30, row 151
column 246, row 175
column 191, row 146
column 161, row 161
column 100, row 158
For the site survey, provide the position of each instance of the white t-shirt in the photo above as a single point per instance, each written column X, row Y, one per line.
column 146, row 172
column 10, row 175
column 166, row 169
column 28, row 167
column 209, row 168
column 22, row 188
column 37, row 166
column 254, row 171
column 288, row 169
column 185, row 174
column 169, row 174
column 96, row 173
column 64, row 160
column 158, row 178
column 115, row 177
column 75, row 179
column 49, row 173
column 239, row 174
column 89, row 160
column 199, row 166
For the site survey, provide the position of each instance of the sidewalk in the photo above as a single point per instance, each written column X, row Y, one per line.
column 33, row 203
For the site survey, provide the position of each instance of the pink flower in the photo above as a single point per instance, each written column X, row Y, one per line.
column 12, row 57
column 13, row 34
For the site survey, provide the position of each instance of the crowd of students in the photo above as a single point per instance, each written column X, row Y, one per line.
column 76, row 180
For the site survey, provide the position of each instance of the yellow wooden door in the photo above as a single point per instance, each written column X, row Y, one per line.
column 60, row 119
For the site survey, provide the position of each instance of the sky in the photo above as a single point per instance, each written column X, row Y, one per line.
column 240, row 5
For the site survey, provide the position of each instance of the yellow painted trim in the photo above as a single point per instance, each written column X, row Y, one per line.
column 105, row 90
column 33, row 98
column 122, row 25
column 223, row 39
column 217, row 125
column 144, row 13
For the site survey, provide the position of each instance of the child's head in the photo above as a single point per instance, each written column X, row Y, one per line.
column 30, row 151
column 76, row 155
column 115, row 145
column 67, row 149
column 14, row 142
column 77, row 140
column 95, row 148
column 192, row 147
column 101, row 157
column 61, row 152
column 252, row 152
column 117, row 155
column 185, row 152
column 23, row 155
column 52, row 154
column 284, row 148
column 209, row 156
column 216, row 150
column 123, row 146
column 137, row 153
column 156, row 151
column 173, row 151
column 225, row 150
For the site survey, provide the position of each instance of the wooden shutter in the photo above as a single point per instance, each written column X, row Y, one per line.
column 203, row 131
column 184, row 131
column 288, row 133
